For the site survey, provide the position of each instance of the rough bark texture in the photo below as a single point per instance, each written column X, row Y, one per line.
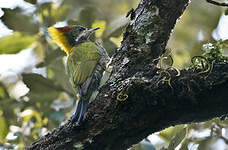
column 139, row 98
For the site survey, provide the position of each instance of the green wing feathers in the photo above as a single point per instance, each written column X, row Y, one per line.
column 82, row 61
column 82, row 71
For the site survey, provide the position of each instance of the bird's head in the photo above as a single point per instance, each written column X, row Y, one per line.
column 70, row 36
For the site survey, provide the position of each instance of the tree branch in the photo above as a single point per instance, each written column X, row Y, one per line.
column 217, row 3
column 139, row 98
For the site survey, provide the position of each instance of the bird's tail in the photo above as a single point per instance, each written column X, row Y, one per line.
column 81, row 109
column 87, row 92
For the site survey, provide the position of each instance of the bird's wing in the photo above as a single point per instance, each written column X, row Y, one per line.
column 83, row 70
column 80, row 66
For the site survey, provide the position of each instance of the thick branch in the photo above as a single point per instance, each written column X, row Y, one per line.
column 217, row 3
column 140, row 98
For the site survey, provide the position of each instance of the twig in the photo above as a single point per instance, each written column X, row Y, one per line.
column 217, row 3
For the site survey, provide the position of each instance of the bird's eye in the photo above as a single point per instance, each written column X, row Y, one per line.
column 81, row 29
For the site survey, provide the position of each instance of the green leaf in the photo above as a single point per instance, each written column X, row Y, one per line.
column 31, row 1
column 202, row 28
column 17, row 21
column 4, row 129
column 49, row 15
column 44, row 14
column 7, row 105
column 84, row 15
column 176, row 139
column 60, row 13
column 206, row 143
column 14, row 43
column 58, row 73
column 225, row 43
column 88, row 15
column 3, row 92
column 39, row 48
column 168, row 133
column 41, row 88
column 184, row 144
column 51, row 57
column 226, row 11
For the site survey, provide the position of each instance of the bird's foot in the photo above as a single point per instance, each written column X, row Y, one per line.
column 75, row 119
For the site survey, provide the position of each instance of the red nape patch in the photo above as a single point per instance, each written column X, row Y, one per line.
column 65, row 29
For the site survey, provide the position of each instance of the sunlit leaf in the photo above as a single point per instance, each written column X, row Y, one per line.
column 184, row 144
column 44, row 14
column 117, row 40
column 4, row 129
column 168, row 133
column 14, row 43
column 177, row 138
column 2, row 92
column 181, row 59
column 17, row 21
column 32, row 114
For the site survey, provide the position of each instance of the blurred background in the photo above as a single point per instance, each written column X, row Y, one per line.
column 35, row 95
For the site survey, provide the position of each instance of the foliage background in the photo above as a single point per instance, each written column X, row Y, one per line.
column 35, row 95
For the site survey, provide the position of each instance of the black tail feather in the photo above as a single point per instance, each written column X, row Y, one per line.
column 81, row 109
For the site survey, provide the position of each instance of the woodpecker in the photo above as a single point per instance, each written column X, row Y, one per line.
column 86, row 62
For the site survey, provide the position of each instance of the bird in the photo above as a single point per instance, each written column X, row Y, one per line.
column 86, row 62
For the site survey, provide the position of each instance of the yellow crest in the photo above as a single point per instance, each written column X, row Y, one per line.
column 60, row 39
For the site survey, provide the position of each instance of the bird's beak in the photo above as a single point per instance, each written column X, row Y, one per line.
column 90, row 31
column 93, row 29
column 85, row 34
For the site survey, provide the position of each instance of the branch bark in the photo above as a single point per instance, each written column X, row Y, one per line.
column 139, row 98
column 217, row 3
